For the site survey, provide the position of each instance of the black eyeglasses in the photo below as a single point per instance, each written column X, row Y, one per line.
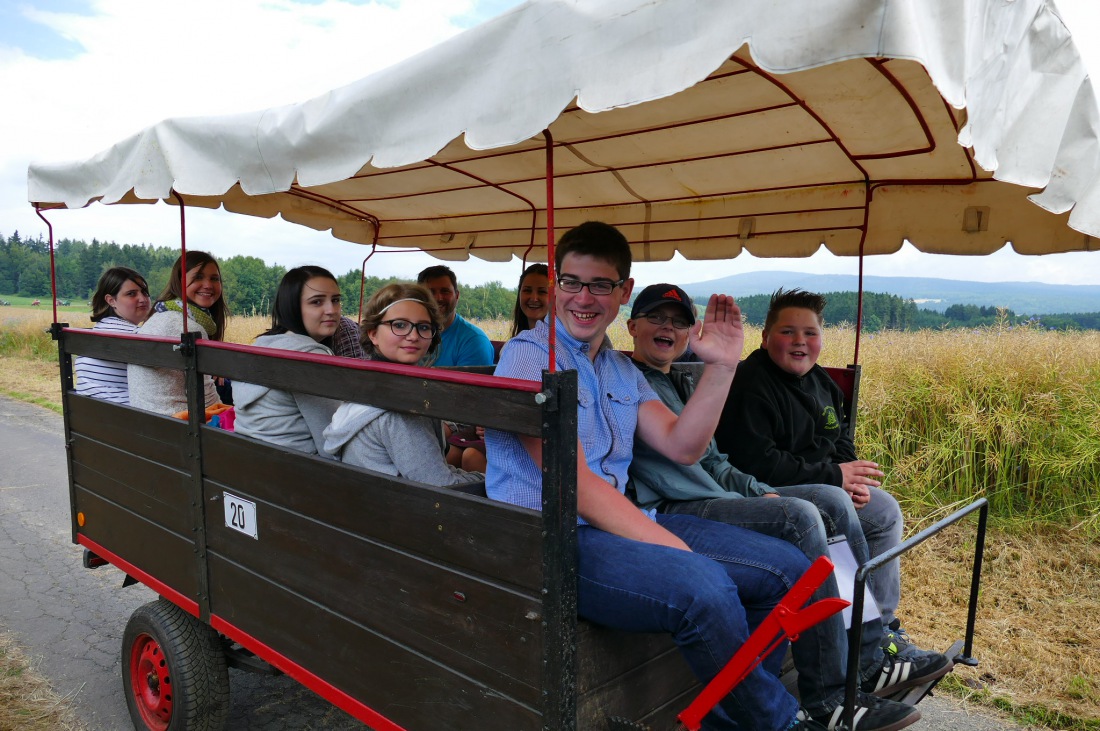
column 660, row 318
column 401, row 328
column 598, row 288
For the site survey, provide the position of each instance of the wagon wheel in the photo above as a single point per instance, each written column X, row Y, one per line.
column 173, row 671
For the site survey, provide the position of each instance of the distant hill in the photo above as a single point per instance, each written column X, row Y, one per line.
column 1024, row 298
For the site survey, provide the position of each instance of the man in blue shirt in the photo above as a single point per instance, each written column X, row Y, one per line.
column 461, row 343
column 703, row 582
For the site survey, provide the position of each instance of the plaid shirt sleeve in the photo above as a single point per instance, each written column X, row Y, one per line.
column 345, row 341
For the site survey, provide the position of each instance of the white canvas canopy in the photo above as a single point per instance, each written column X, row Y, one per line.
column 704, row 127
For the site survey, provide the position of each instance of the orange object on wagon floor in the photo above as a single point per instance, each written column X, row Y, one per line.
column 211, row 412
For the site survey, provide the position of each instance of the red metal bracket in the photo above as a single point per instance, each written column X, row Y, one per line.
column 788, row 619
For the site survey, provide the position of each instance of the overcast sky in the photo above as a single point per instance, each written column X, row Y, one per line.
column 79, row 75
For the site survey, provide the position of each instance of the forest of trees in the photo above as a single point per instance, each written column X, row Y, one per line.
column 250, row 284
column 890, row 312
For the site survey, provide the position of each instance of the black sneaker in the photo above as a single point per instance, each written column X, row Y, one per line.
column 803, row 722
column 900, row 673
column 871, row 714
column 895, row 640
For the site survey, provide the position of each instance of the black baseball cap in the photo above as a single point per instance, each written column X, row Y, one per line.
column 656, row 295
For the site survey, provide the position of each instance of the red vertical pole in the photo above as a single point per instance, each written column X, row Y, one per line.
column 53, row 269
column 363, row 280
column 859, row 307
column 550, row 246
column 183, row 258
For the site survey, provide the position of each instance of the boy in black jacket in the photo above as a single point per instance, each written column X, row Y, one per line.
column 783, row 423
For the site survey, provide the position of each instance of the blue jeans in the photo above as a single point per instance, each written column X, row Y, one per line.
column 883, row 525
column 707, row 600
column 880, row 528
column 821, row 653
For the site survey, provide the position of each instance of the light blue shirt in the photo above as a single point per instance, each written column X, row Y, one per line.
column 463, row 344
column 609, row 393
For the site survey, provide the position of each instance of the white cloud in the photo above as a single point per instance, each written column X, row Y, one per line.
column 145, row 60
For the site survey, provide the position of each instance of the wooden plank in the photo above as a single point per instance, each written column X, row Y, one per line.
column 158, row 438
column 642, row 677
column 123, row 349
column 350, row 380
column 481, row 630
column 605, row 654
column 497, row 541
column 161, row 501
column 167, row 556
column 399, row 683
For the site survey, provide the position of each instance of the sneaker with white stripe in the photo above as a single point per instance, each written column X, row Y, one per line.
column 871, row 714
column 901, row 673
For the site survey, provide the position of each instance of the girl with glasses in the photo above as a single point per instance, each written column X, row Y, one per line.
column 401, row 323
column 304, row 318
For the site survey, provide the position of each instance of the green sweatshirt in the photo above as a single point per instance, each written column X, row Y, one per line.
column 655, row 479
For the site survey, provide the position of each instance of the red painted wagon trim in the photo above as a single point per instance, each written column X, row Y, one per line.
column 334, row 695
column 181, row 600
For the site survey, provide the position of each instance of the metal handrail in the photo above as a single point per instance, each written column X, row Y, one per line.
column 855, row 632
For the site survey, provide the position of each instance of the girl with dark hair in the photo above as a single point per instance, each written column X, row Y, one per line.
column 532, row 299
column 162, row 390
column 401, row 323
column 119, row 305
column 304, row 317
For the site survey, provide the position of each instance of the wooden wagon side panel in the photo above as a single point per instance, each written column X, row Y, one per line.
column 642, row 677
column 130, row 490
column 421, row 602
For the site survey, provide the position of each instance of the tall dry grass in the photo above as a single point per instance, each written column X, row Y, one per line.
column 1005, row 413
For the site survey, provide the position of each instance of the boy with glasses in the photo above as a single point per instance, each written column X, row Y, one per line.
column 703, row 582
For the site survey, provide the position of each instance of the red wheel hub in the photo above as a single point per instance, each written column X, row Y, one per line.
column 151, row 683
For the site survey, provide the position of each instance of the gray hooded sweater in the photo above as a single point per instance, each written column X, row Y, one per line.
column 289, row 419
column 394, row 444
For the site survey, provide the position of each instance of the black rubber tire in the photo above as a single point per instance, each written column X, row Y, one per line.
column 173, row 671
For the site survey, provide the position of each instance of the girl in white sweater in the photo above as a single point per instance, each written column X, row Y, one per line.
column 162, row 389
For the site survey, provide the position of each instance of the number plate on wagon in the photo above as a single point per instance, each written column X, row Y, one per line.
column 240, row 514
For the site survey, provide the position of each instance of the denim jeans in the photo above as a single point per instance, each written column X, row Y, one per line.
column 708, row 600
column 881, row 525
column 821, row 653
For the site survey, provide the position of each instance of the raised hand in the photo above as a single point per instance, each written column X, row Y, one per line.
column 719, row 338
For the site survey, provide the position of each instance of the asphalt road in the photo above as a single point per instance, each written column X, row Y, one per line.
column 72, row 619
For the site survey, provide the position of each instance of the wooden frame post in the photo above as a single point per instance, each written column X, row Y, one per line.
column 559, row 550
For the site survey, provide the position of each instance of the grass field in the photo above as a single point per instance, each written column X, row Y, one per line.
column 27, row 702
column 1006, row 413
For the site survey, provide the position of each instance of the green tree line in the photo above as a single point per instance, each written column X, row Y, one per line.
column 890, row 312
column 249, row 283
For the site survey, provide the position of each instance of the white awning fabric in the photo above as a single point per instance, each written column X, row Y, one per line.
column 705, row 128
